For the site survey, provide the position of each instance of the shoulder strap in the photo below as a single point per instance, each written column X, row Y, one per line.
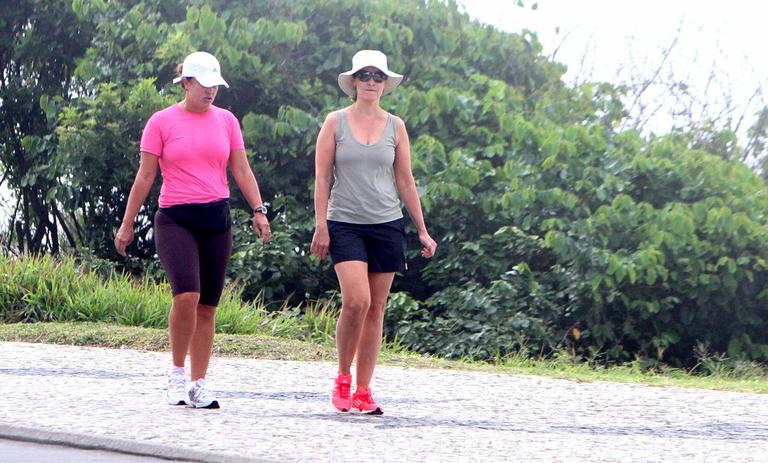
column 392, row 125
column 341, row 129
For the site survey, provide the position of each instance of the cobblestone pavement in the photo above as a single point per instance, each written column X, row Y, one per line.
column 279, row 411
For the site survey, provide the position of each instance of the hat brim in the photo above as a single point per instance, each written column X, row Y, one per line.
column 345, row 81
column 210, row 80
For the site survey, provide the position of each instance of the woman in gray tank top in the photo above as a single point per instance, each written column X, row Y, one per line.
column 363, row 172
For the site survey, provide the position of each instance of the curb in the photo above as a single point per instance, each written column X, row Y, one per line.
column 114, row 444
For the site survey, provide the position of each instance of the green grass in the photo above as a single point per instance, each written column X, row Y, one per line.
column 44, row 289
column 61, row 302
column 567, row 368
column 153, row 339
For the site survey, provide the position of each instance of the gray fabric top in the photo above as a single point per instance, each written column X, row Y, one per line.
column 364, row 190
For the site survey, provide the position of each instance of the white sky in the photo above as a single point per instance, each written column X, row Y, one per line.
column 615, row 41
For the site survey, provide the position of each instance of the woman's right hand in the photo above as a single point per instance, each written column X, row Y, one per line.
column 320, row 242
column 123, row 238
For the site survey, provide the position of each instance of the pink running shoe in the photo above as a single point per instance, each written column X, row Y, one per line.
column 363, row 401
column 341, row 389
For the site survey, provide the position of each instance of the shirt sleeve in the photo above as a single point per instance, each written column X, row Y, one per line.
column 151, row 138
column 235, row 134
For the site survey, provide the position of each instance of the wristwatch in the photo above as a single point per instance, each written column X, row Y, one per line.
column 262, row 209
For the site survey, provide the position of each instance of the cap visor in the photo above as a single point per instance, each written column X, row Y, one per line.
column 211, row 81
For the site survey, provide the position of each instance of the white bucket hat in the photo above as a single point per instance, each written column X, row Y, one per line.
column 365, row 58
column 204, row 67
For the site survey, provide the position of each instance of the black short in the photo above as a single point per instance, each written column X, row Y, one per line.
column 195, row 260
column 382, row 245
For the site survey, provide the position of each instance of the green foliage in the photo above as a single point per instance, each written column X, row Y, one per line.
column 556, row 231
column 98, row 149
column 39, row 43
column 42, row 289
column 678, row 256
column 283, row 60
column 276, row 271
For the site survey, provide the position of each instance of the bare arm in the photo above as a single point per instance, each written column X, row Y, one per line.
column 325, row 152
column 406, row 186
column 145, row 177
column 246, row 181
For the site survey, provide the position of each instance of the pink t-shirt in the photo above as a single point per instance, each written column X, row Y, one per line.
column 194, row 151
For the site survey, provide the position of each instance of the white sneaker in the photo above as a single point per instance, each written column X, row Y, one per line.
column 177, row 388
column 200, row 396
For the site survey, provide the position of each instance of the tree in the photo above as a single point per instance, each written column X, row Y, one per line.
column 39, row 43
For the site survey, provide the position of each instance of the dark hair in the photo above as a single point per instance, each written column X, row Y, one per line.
column 179, row 69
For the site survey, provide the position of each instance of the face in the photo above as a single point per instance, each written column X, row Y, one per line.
column 370, row 89
column 198, row 98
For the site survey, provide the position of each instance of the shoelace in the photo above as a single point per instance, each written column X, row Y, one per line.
column 343, row 389
column 177, row 382
column 366, row 397
column 199, row 393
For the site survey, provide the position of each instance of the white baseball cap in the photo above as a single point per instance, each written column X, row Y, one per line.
column 365, row 58
column 204, row 67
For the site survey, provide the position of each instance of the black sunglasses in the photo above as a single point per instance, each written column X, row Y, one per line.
column 365, row 76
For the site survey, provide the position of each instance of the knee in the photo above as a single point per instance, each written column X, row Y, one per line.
column 186, row 301
column 376, row 311
column 356, row 305
column 206, row 312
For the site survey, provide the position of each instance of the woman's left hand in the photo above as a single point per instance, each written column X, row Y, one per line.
column 261, row 227
column 430, row 246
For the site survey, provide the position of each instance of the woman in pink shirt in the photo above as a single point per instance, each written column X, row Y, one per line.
column 192, row 143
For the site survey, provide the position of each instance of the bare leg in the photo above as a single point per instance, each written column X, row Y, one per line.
column 369, row 343
column 202, row 341
column 355, row 300
column 181, row 325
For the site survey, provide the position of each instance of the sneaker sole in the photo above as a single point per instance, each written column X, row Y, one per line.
column 211, row 406
column 377, row 412
column 180, row 402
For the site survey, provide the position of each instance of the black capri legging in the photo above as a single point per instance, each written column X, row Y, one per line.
column 194, row 261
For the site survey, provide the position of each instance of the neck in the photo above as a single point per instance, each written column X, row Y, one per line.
column 367, row 108
column 185, row 105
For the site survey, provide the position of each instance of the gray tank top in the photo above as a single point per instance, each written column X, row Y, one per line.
column 364, row 190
